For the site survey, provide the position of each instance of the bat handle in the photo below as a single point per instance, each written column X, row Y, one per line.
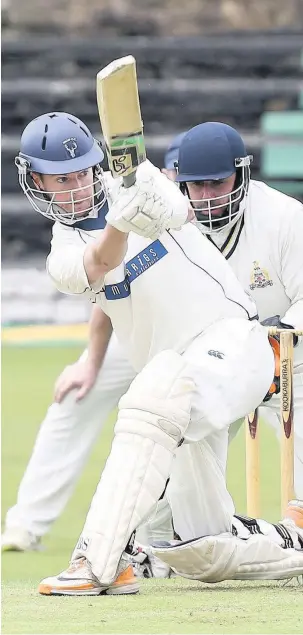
column 129, row 180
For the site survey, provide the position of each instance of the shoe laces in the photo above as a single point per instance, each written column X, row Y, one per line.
column 76, row 564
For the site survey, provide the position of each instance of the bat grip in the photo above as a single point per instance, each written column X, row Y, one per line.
column 129, row 180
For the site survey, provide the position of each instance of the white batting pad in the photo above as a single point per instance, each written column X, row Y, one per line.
column 209, row 559
column 153, row 416
column 263, row 559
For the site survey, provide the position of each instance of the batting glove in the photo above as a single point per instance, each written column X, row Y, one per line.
column 150, row 206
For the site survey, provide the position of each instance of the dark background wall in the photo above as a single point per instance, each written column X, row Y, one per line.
column 228, row 60
column 153, row 17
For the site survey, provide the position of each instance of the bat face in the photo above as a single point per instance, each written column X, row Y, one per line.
column 120, row 116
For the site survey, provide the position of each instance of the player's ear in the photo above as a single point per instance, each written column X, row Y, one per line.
column 38, row 180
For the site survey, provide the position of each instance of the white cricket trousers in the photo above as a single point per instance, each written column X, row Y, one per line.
column 184, row 488
column 233, row 366
column 64, row 442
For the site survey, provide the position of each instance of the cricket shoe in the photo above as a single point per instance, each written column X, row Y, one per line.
column 79, row 579
column 17, row 539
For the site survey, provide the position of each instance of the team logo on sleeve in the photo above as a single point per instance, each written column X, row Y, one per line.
column 259, row 278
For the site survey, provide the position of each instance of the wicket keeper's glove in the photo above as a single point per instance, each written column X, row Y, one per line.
column 276, row 321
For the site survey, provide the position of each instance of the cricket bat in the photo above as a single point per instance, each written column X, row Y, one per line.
column 120, row 117
column 287, row 419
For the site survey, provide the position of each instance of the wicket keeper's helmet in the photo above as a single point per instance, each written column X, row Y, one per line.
column 59, row 143
column 214, row 151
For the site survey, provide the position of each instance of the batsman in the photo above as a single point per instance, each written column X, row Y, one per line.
column 192, row 335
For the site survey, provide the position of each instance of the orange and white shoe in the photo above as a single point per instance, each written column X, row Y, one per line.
column 78, row 579
column 295, row 512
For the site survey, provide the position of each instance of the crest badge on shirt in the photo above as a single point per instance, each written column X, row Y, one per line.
column 259, row 278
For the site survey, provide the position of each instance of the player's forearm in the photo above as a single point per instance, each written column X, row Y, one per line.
column 104, row 254
column 100, row 330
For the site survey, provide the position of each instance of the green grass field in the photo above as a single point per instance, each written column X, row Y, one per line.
column 167, row 606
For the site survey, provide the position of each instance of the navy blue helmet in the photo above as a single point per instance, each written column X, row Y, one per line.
column 214, row 151
column 58, row 143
